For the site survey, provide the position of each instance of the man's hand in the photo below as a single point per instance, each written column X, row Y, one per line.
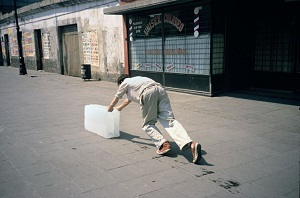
column 119, row 108
column 110, row 108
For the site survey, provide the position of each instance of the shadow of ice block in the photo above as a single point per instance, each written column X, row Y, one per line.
column 98, row 120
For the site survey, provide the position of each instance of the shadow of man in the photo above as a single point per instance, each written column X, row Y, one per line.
column 145, row 143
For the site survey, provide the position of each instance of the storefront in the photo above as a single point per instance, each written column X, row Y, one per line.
column 212, row 46
column 174, row 46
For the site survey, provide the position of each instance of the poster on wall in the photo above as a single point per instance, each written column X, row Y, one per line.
column 3, row 49
column 14, row 46
column 46, row 45
column 90, row 48
column 28, row 44
column 86, row 48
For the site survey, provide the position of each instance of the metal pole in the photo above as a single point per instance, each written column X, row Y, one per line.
column 23, row 70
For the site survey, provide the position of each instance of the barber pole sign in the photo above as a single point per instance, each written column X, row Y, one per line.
column 148, row 65
column 197, row 20
column 130, row 30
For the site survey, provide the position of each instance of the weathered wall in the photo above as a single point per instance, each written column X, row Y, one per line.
column 89, row 17
column 110, row 38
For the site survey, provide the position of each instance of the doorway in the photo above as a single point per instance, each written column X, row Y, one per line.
column 69, row 45
column 39, row 49
column 70, row 52
column 1, row 53
column 7, row 54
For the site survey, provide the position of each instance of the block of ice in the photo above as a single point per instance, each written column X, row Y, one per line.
column 98, row 120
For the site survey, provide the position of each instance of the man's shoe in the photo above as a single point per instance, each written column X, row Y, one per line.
column 196, row 152
column 164, row 148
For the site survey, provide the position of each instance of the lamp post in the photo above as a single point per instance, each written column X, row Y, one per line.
column 23, row 70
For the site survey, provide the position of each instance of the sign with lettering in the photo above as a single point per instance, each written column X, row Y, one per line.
column 3, row 49
column 168, row 18
column 190, row 67
column 171, row 66
column 143, row 27
column 90, row 48
column 46, row 45
column 148, row 65
column 28, row 44
column 14, row 46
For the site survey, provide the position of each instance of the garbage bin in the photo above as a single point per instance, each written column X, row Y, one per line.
column 86, row 71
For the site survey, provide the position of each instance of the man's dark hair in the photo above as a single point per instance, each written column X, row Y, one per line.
column 121, row 78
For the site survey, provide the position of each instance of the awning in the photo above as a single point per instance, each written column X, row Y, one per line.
column 141, row 5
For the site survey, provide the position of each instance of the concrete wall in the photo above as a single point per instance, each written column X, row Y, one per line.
column 89, row 17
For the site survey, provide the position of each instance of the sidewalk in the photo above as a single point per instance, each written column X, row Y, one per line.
column 250, row 144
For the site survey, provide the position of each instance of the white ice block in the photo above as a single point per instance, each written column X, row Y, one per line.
column 98, row 120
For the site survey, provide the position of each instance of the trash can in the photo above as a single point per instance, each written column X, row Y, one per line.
column 86, row 71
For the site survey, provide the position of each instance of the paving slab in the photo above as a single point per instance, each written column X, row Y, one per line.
column 250, row 144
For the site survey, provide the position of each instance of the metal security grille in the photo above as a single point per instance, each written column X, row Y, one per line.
column 194, row 58
column 146, row 55
column 174, row 40
column 218, row 54
column 274, row 48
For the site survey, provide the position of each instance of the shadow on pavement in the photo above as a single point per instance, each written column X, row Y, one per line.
column 187, row 154
column 172, row 154
column 135, row 139
column 266, row 96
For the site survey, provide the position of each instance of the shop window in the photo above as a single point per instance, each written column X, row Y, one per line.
column 175, row 40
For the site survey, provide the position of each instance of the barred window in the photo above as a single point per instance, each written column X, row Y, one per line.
column 175, row 40
column 274, row 48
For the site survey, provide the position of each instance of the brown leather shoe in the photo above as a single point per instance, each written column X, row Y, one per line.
column 196, row 152
column 164, row 148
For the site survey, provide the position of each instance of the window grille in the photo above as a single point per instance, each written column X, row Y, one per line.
column 175, row 40
column 274, row 48
column 218, row 54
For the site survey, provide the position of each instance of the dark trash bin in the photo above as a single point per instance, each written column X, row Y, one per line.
column 86, row 71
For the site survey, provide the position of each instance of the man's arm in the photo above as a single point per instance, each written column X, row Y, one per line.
column 120, row 107
column 124, row 104
column 112, row 104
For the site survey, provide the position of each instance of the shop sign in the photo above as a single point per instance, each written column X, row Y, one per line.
column 168, row 18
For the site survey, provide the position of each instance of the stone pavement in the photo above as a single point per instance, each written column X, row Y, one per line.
column 250, row 144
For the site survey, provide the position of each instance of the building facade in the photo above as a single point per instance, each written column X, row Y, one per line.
column 212, row 46
column 198, row 46
column 60, row 35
